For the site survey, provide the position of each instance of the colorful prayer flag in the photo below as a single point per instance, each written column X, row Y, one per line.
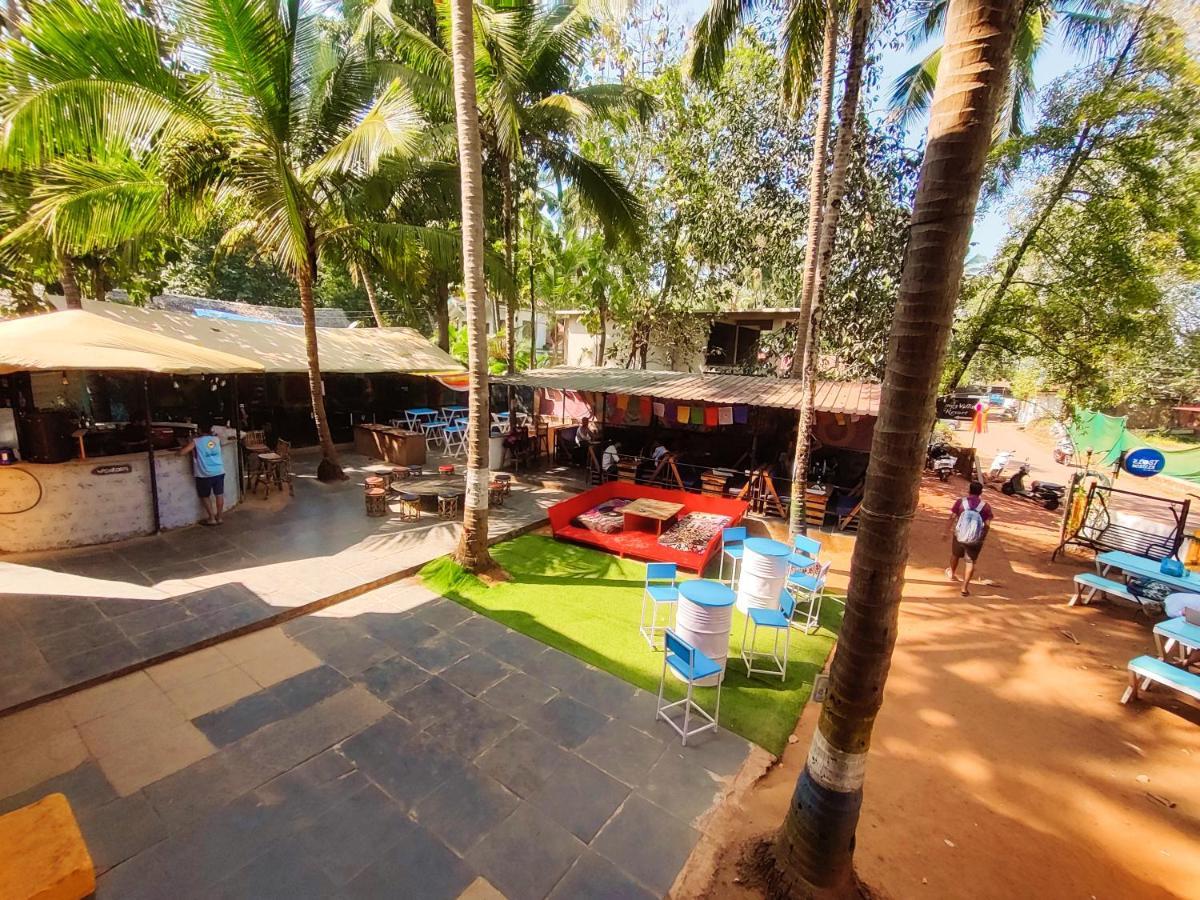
column 741, row 415
column 685, row 415
column 710, row 416
column 660, row 409
column 697, row 415
column 725, row 415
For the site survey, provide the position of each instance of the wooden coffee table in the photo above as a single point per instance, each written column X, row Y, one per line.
column 659, row 511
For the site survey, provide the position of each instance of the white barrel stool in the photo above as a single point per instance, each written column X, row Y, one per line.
column 703, row 617
column 764, row 573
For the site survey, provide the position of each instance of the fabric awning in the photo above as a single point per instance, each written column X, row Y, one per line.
column 454, row 382
column 853, row 398
column 75, row 339
column 281, row 349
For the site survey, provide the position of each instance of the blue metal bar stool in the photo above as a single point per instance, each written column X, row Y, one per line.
column 661, row 590
column 778, row 621
column 691, row 665
column 731, row 548
column 808, row 591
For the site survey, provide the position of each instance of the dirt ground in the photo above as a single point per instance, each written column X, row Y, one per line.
column 1002, row 763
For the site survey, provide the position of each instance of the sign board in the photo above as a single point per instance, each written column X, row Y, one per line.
column 1144, row 462
column 956, row 407
column 114, row 469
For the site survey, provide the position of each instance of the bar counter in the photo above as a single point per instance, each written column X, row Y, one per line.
column 101, row 499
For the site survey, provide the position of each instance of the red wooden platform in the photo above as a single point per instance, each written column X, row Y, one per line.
column 643, row 544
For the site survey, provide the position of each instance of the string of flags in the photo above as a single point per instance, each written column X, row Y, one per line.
column 625, row 409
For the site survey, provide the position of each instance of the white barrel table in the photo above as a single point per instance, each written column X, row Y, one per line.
column 763, row 574
column 703, row 616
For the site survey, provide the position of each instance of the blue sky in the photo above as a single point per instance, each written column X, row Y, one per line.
column 990, row 227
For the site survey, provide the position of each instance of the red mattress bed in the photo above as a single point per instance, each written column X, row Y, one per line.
column 643, row 543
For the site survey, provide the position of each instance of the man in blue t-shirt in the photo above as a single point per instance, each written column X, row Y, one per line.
column 209, row 468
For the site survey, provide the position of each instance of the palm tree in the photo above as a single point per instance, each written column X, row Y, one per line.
column 472, row 553
column 281, row 115
column 1084, row 24
column 813, row 850
column 526, row 56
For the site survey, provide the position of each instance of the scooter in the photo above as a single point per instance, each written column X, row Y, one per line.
column 1064, row 451
column 996, row 469
column 940, row 460
column 1044, row 493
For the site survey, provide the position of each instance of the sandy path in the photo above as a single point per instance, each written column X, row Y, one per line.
column 1003, row 765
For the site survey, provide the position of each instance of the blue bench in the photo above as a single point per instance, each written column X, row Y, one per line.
column 1149, row 671
column 1088, row 585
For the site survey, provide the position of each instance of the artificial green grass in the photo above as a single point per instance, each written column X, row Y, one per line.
column 587, row 603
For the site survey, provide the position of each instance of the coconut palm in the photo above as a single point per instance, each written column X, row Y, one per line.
column 526, row 55
column 257, row 111
column 472, row 552
column 813, row 850
column 1083, row 24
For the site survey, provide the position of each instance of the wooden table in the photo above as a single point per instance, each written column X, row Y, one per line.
column 657, row 510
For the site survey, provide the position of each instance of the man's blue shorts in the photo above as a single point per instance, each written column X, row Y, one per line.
column 212, row 484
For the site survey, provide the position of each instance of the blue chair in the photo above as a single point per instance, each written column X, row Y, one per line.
column 731, row 548
column 805, row 552
column 691, row 665
column 808, row 589
column 661, row 590
column 778, row 621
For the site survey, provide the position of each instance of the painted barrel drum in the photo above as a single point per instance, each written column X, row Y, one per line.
column 703, row 616
column 763, row 573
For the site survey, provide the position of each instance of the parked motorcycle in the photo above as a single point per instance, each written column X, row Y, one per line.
column 1064, row 451
column 1044, row 493
column 996, row 469
column 940, row 461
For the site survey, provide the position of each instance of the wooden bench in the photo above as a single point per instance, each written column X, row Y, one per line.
column 43, row 854
column 1149, row 671
column 1089, row 584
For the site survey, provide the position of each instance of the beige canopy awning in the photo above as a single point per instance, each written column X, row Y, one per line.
column 280, row 348
column 75, row 339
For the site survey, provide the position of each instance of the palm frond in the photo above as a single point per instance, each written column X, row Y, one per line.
column 602, row 191
column 712, row 37
column 926, row 22
column 391, row 127
column 912, row 91
column 803, row 44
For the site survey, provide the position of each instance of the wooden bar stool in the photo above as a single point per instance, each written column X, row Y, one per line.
column 496, row 494
column 374, row 481
column 410, row 506
column 446, row 471
column 448, row 505
column 399, row 473
column 505, row 482
column 270, row 471
column 376, row 502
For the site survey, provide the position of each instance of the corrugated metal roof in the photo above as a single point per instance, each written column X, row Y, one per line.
column 848, row 397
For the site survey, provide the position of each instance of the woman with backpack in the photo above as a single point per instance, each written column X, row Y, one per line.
column 970, row 519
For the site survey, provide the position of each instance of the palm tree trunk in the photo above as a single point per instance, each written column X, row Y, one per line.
column 12, row 17
column 70, row 284
column 441, row 309
column 532, row 268
column 814, row 848
column 330, row 467
column 602, row 309
column 835, row 190
column 508, row 215
column 816, row 199
column 372, row 298
column 472, row 553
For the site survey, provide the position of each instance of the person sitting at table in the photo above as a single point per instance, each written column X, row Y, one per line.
column 612, row 456
column 585, row 437
column 659, row 451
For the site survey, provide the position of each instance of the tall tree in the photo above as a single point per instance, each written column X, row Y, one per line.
column 813, row 850
column 472, row 553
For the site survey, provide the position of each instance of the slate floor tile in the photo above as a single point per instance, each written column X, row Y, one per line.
column 232, row 723
column 680, row 785
column 179, row 634
column 526, row 855
column 141, row 621
column 444, row 614
column 722, row 752
column 192, row 793
column 566, row 721
column 556, row 668
column 419, row 866
column 99, row 661
column 305, row 734
column 522, row 761
column 464, row 809
column 355, row 833
column 622, row 751
column 478, row 631
column 392, row 677
column 397, row 631
column 580, row 797
column 515, row 649
column 646, row 842
column 602, row 691
column 407, row 765
column 85, row 786
column 476, row 673
column 120, row 830
column 303, row 690
column 347, row 648
column 283, row 872
column 430, row 702
column 476, row 728
column 45, row 616
column 595, row 878
column 436, row 653
column 518, row 694
column 79, row 639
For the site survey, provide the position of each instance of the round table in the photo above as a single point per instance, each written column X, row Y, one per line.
column 703, row 616
column 763, row 573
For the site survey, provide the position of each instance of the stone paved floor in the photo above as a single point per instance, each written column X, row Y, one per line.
column 70, row 616
column 393, row 745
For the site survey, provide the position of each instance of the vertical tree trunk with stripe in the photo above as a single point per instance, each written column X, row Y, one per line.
column 816, row 200
column 472, row 553
column 72, row 296
column 813, row 850
column 372, row 298
column 330, row 467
